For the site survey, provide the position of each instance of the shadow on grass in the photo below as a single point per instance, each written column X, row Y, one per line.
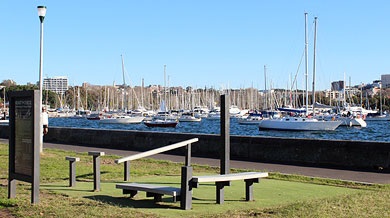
column 133, row 203
column 65, row 188
column 89, row 175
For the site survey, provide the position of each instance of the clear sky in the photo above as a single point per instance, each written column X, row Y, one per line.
column 213, row 43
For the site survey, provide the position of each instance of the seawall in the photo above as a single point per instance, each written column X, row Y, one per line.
column 359, row 155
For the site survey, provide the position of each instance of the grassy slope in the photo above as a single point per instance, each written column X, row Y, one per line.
column 278, row 197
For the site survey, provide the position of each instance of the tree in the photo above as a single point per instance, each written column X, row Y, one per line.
column 8, row 82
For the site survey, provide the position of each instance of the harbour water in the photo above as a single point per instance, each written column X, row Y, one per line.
column 375, row 131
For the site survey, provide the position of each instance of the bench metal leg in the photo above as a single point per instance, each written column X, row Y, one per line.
column 220, row 191
column 131, row 192
column 157, row 197
column 127, row 171
column 72, row 170
column 72, row 173
column 96, row 168
column 96, row 173
column 249, row 188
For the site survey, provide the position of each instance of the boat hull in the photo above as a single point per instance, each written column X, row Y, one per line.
column 190, row 119
column 298, row 125
column 378, row 118
column 162, row 123
column 127, row 120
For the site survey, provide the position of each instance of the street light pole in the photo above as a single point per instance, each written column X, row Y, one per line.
column 41, row 14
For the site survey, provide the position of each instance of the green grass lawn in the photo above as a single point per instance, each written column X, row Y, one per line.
column 268, row 193
column 276, row 196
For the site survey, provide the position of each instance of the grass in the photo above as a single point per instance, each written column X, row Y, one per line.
column 277, row 196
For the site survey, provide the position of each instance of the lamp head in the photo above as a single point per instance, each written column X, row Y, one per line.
column 41, row 12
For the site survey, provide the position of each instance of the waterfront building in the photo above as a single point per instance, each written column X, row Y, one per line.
column 57, row 84
column 385, row 79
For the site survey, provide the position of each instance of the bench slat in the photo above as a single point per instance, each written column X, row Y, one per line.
column 165, row 190
column 229, row 177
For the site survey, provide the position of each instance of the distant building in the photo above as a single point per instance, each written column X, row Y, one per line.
column 337, row 86
column 385, row 79
column 333, row 94
column 58, row 84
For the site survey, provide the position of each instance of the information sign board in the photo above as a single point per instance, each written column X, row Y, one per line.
column 24, row 143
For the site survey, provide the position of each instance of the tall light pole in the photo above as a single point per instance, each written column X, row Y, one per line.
column 41, row 14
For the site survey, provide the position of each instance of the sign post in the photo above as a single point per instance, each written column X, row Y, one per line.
column 24, row 142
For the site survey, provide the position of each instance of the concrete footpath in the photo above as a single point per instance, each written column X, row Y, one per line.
column 349, row 175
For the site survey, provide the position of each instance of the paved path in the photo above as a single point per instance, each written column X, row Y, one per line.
column 358, row 176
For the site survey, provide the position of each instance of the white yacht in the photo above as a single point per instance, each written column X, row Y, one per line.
column 298, row 124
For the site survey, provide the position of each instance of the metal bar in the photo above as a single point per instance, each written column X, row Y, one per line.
column 156, row 151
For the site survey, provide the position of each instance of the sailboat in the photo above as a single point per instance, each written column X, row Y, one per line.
column 253, row 118
column 300, row 123
column 378, row 115
column 189, row 117
column 161, row 123
column 163, row 118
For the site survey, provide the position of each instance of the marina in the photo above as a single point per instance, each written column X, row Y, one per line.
column 375, row 131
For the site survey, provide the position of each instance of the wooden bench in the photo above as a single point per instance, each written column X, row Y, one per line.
column 151, row 190
column 224, row 180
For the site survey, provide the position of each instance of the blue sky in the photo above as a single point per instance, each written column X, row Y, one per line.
column 219, row 43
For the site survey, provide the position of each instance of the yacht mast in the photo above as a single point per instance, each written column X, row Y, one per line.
column 306, row 66
column 380, row 96
column 123, row 71
column 314, row 63
column 265, row 88
column 165, row 97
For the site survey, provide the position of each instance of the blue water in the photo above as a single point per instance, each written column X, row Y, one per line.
column 375, row 131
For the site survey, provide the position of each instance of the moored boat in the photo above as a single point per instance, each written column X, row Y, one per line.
column 189, row 117
column 94, row 116
column 161, row 123
column 253, row 118
column 122, row 119
column 298, row 124
column 377, row 117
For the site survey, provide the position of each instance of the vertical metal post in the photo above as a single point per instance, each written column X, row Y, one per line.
column 96, row 173
column 72, row 173
column 41, row 18
column 127, row 171
column 225, row 135
column 96, row 168
column 11, row 188
column 186, row 188
column 72, row 170
column 188, row 155
column 37, row 150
